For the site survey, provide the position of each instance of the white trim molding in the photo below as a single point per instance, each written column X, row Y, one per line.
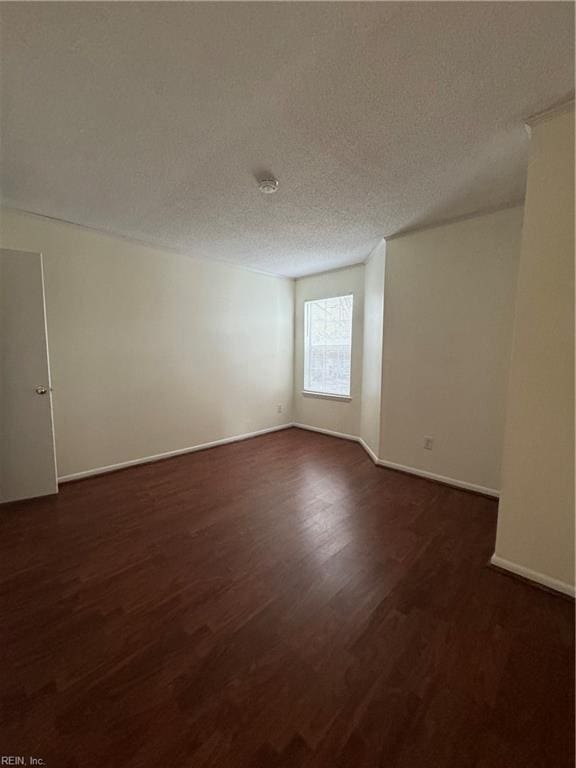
column 170, row 454
column 325, row 395
column 368, row 450
column 535, row 576
column 404, row 468
column 330, row 432
column 441, row 478
column 246, row 436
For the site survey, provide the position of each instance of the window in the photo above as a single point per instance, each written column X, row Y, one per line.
column 328, row 345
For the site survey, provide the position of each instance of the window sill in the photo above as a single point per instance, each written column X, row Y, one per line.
column 326, row 396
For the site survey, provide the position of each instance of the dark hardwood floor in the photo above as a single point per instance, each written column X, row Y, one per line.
column 275, row 603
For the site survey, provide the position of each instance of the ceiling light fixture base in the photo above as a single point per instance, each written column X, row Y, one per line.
column 268, row 185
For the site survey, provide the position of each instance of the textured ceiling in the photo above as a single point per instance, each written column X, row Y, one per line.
column 151, row 120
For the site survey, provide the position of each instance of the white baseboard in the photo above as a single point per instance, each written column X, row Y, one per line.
column 330, row 432
column 441, row 478
column 528, row 573
column 369, row 451
column 248, row 435
column 498, row 562
column 169, row 454
column 402, row 467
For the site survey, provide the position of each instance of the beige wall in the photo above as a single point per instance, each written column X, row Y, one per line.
column 448, row 311
column 536, row 519
column 372, row 348
column 335, row 415
column 152, row 351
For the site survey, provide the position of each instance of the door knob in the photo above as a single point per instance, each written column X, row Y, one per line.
column 41, row 390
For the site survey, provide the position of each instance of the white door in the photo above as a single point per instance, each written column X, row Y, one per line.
column 27, row 455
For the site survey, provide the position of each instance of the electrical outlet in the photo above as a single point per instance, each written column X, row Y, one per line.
column 428, row 443
column 278, row 409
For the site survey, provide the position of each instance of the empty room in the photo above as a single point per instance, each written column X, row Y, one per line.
column 287, row 384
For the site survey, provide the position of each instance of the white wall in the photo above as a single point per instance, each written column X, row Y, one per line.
column 374, row 273
column 152, row 351
column 448, row 311
column 335, row 415
column 536, row 518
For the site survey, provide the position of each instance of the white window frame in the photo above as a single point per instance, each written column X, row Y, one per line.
column 307, row 348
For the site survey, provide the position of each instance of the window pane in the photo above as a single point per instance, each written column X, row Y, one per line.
column 328, row 345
